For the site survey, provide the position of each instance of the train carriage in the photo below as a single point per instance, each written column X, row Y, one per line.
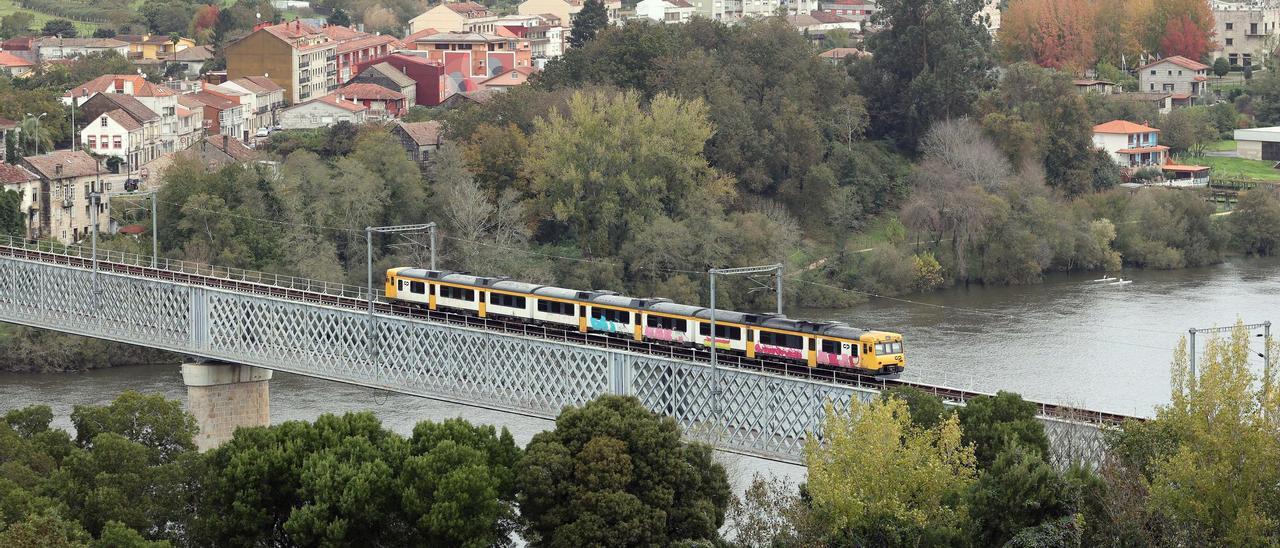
column 816, row 344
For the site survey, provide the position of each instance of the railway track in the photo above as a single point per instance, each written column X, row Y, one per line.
column 353, row 298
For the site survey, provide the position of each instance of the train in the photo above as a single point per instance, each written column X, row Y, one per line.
column 816, row 344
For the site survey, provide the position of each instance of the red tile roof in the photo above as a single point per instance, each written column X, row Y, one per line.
column 233, row 147
column 13, row 173
column 372, row 40
column 422, row 133
column 143, row 39
column 121, row 117
column 194, row 53
column 10, row 60
column 115, row 83
column 415, row 36
column 75, row 163
column 1123, row 127
column 209, row 99
column 295, row 33
column 332, row 99
column 257, row 84
column 680, row 3
column 368, row 91
column 1178, row 60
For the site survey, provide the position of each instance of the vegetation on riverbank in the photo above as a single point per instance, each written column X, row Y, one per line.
column 903, row 470
column 31, row 350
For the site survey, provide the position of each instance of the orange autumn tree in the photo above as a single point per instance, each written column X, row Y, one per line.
column 1182, row 37
column 1118, row 28
column 1172, row 17
column 1052, row 33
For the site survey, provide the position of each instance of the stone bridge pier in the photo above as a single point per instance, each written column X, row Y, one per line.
column 225, row 396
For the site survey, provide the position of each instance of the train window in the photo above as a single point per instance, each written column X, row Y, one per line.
column 895, row 348
column 751, row 335
column 417, row 287
column 766, row 337
column 831, row 347
column 655, row 321
column 543, row 306
column 431, row 288
column 722, row 331
column 400, row 285
column 853, row 350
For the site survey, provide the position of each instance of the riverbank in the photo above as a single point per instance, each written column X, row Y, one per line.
column 31, row 350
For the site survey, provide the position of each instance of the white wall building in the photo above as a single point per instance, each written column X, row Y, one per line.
column 1130, row 145
column 322, row 112
column 51, row 48
column 665, row 11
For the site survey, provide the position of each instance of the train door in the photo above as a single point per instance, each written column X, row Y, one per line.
column 482, row 298
column 582, row 317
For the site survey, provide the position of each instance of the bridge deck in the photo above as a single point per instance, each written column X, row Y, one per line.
column 321, row 329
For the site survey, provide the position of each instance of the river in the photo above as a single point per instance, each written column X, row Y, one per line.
column 1068, row 340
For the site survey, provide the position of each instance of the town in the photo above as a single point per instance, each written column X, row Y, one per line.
column 748, row 273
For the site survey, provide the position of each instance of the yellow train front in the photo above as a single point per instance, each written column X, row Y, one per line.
column 828, row 345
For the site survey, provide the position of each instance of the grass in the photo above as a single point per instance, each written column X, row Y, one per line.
column 1237, row 168
column 9, row 6
column 1225, row 145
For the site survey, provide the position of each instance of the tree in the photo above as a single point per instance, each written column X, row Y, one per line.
column 588, row 22
column 1255, row 223
column 16, row 24
column 1163, row 16
column 59, row 27
column 36, row 138
column 12, row 219
column 1055, row 34
column 916, row 501
column 104, row 32
column 926, row 410
column 1217, row 483
column 159, row 425
column 928, row 64
column 1020, row 490
column 990, row 422
column 339, row 17
column 46, row 530
column 1183, row 37
column 1187, row 130
column 1221, row 67
column 613, row 473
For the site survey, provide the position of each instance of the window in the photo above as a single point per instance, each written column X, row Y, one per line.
column 1246, row 59
column 778, row 339
column 556, row 307
column 831, row 347
column 86, row 189
column 1233, row 59
column 450, row 292
column 1153, row 72
column 1179, row 73
column 417, row 287
column 1230, row 26
column 93, row 142
column 115, row 141
column 509, row 301
column 1168, row 87
column 722, row 331
column 1253, row 28
column 104, row 121
column 611, row 315
column 663, row 322
column 1229, row 41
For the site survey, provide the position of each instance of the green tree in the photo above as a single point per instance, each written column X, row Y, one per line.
column 919, row 500
column 615, row 474
column 927, row 410
column 46, row 530
column 1255, row 222
column 588, row 22
column 1187, row 130
column 59, row 27
column 16, row 24
column 1221, row 67
column 1019, row 490
column 35, row 137
column 118, row 535
column 339, row 17
column 990, row 422
column 929, row 63
column 159, row 425
column 1218, row 483
column 12, row 219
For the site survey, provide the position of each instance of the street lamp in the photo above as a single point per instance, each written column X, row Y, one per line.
column 368, row 258
column 37, row 135
column 712, row 273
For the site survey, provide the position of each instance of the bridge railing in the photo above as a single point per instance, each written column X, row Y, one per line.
column 165, row 264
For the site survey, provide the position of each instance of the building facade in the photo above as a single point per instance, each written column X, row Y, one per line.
column 221, row 116
column 264, row 101
column 470, row 58
column 428, row 77
column 564, row 10
column 299, row 58
column 1183, row 78
column 322, row 112
column 52, row 48
column 448, row 17
column 67, row 179
column 387, row 76
column 160, row 99
column 1132, row 146
column 17, row 178
column 665, row 11
column 1244, row 30
column 119, row 125
column 153, row 46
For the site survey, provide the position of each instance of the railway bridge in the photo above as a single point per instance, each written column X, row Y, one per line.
column 238, row 326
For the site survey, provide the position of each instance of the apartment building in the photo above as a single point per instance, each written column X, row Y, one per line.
column 298, row 57
column 264, row 99
column 67, row 179
column 471, row 57
column 564, row 10
column 221, row 116
column 354, row 47
column 448, row 17
column 1244, row 30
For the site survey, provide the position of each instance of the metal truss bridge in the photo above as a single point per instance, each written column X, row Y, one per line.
column 323, row 330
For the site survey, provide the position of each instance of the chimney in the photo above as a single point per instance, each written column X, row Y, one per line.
column 224, row 143
column 57, row 169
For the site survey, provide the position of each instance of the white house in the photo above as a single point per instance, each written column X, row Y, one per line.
column 52, row 47
column 1131, row 145
column 323, row 111
column 546, row 42
column 665, row 11
column 160, row 99
column 114, row 133
column 263, row 102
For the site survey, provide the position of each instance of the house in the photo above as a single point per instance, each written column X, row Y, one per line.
column 1259, row 143
column 1183, row 78
column 1132, row 146
column 836, row 55
column 470, row 58
column 119, row 125
column 323, row 111
column 16, row 178
column 52, row 48
column 191, row 60
column 162, row 100
column 299, row 58
column 448, row 17
column 1163, row 102
column 15, row 66
column 419, row 138
column 1101, row 87
column 564, row 10
column 67, row 177
column 665, row 11
column 222, row 116
column 517, row 25
column 387, row 76
column 264, row 99
column 152, row 46
column 354, row 47
column 546, row 42
column 22, row 47
column 219, row 150
column 190, row 126
column 381, row 102
column 1244, row 31
column 240, row 98
column 817, row 24
column 857, row 10
column 734, row 10
column 1185, row 175
column 511, row 78
column 428, row 76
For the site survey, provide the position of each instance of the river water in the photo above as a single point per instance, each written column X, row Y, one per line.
column 1068, row 340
